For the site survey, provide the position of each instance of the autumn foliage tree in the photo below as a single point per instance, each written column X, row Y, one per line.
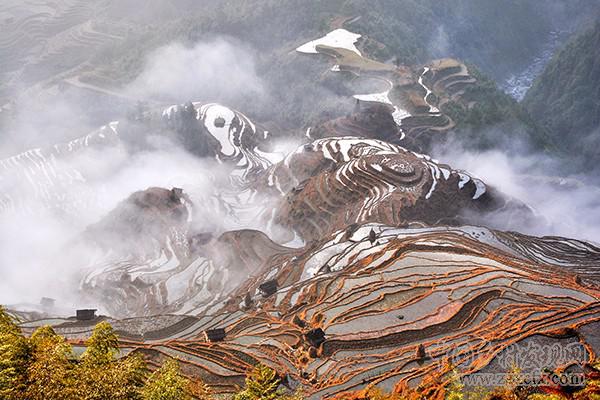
column 167, row 383
column 43, row 367
column 50, row 373
column 262, row 383
column 14, row 356
column 100, row 376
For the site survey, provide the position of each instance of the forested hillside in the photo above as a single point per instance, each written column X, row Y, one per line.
column 566, row 97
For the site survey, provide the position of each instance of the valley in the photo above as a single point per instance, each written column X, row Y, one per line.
column 336, row 251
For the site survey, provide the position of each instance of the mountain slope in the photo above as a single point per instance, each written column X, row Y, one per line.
column 566, row 97
column 105, row 45
column 156, row 251
column 377, row 294
column 332, row 249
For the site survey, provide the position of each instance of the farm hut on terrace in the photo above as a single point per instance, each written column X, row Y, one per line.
column 268, row 288
column 315, row 336
column 214, row 335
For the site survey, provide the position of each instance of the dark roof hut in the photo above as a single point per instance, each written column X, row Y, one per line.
column 214, row 335
column 86, row 314
column 268, row 288
column 315, row 336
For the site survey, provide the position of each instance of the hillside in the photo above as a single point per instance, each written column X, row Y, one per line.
column 351, row 310
column 566, row 97
column 360, row 262
column 248, row 193
column 87, row 52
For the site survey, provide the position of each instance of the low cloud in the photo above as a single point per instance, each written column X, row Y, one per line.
column 34, row 242
column 439, row 44
column 220, row 70
column 36, row 257
column 570, row 205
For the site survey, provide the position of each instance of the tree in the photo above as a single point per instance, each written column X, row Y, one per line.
column 455, row 388
column 167, row 383
column 50, row 373
column 102, row 346
column 101, row 377
column 261, row 384
column 14, row 358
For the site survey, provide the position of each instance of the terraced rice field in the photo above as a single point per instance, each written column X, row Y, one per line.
column 43, row 39
column 463, row 293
